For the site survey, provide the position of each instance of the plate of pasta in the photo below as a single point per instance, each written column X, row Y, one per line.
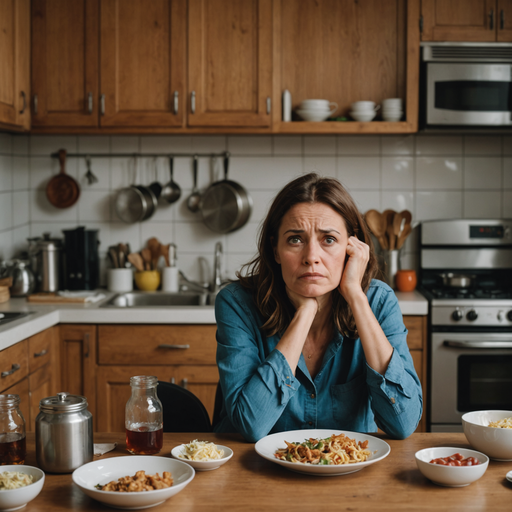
column 322, row 452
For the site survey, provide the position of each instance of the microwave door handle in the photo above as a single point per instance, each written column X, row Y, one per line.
column 477, row 344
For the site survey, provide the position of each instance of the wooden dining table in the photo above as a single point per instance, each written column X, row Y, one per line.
column 249, row 482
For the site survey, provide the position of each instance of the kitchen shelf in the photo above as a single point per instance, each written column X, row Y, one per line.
column 344, row 127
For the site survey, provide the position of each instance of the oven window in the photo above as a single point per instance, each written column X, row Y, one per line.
column 473, row 95
column 484, row 382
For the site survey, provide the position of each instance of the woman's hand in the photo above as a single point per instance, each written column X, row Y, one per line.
column 299, row 301
column 358, row 255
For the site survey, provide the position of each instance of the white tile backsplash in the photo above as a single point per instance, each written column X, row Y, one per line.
column 434, row 176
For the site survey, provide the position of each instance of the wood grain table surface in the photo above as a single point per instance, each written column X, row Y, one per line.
column 250, row 483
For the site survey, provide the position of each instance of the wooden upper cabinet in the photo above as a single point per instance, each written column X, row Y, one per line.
column 143, row 57
column 504, row 21
column 230, row 63
column 65, row 63
column 459, row 20
column 15, row 63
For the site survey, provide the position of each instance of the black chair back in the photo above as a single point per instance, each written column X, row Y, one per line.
column 182, row 410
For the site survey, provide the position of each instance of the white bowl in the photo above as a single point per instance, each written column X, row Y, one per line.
column 363, row 116
column 14, row 499
column 103, row 471
column 391, row 117
column 494, row 442
column 203, row 465
column 392, row 102
column 450, row 476
column 314, row 104
column 314, row 115
column 363, row 105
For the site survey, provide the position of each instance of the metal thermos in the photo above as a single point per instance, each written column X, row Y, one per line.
column 46, row 261
column 64, row 439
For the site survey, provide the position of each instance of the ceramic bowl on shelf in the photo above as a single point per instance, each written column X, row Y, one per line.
column 363, row 116
column 450, row 476
column 494, row 442
column 14, row 499
column 314, row 114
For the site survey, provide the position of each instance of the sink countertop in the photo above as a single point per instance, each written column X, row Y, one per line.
column 44, row 316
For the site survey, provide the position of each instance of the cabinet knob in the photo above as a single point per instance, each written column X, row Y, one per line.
column 102, row 104
column 176, row 101
column 89, row 103
column 269, row 104
column 23, row 95
column 193, row 102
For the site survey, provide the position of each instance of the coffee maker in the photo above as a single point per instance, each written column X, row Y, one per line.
column 81, row 260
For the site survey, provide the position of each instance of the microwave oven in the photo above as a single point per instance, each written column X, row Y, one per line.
column 466, row 85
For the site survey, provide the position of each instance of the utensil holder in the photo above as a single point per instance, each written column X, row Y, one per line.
column 391, row 264
column 147, row 280
column 120, row 280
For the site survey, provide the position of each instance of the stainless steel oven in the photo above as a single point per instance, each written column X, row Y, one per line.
column 466, row 84
column 466, row 273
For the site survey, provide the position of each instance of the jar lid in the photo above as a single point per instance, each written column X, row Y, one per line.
column 63, row 402
column 9, row 401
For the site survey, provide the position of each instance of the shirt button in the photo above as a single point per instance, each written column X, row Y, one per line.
column 312, row 395
column 310, row 423
column 392, row 400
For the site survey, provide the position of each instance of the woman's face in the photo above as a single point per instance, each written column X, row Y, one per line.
column 311, row 249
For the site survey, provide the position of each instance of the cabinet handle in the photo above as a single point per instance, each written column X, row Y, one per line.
column 502, row 19
column 42, row 353
column 491, row 20
column 184, row 383
column 167, row 345
column 15, row 368
column 193, row 102
column 89, row 103
column 175, row 103
column 269, row 103
column 35, row 105
column 102, row 104
column 86, row 344
column 23, row 95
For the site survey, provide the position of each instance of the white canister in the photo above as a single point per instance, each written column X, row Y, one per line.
column 287, row 106
column 170, row 279
column 120, row 280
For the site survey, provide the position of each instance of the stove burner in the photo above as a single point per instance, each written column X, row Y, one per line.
column 470, row 293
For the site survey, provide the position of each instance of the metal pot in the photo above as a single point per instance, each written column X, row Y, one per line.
column 64, row 439
column 457, row 280
column 226, row 206
column 135, row 203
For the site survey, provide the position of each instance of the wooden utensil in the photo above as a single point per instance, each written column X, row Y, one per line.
column 136, row 260
column 146, row 256
column 403, row 236
column 114, row 257
column 154, row 247
column 164, row 251
column 387, row 223
column 62, row 190
column 374, row 221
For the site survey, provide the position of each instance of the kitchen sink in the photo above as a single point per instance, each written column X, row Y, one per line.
column 156, row 299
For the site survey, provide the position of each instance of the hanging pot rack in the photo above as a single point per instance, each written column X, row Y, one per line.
column 141, row 155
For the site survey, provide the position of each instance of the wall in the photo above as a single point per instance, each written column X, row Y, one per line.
column 435, row 177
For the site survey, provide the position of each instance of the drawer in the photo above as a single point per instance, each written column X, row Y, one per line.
column 13, row 364
column 416, row 325
column 40, row 348
column 156, row 344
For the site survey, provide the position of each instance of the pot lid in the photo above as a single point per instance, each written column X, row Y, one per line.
column 46, row 243
column 63, row 402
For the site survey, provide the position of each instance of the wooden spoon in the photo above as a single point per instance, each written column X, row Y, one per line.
column 136, row 260
column 164, row 251
column 146, row 256
column 154, row 247
column 387, row 220
column 403, row 236
column 374, row 221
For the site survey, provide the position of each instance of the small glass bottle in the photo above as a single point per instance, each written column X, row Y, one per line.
column 143, row 417
column 13, row 447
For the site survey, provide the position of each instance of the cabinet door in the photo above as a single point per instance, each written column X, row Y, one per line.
column 40, row 386
column 13, row 364
column 229, row 62
column 504, row 21
column 459, row 20
column 15, row 63
column 142, row 77
column 78, row 361
column 419, row 363
column 65, row 39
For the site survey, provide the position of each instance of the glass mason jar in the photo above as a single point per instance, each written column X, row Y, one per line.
column 13, row 447
column 143, row 417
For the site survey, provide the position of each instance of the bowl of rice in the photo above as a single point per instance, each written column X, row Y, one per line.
column 202, row 455
column 490, row 432
column 19, row 484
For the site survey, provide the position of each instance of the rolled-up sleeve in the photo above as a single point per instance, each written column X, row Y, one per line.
column 256, row 386
column 396, row 396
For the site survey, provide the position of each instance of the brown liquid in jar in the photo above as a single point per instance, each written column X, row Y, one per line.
column 144, row 442
column 13, row 449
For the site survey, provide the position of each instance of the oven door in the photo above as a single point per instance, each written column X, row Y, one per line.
column 469, row 94
column 469, row 372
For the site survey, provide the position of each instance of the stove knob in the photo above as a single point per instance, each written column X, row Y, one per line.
column 472, row 315
column 457, row 315
column 501, row 316
column 509, row 315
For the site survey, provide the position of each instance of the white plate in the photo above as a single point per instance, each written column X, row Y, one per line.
column 104, row 471
column 267, row 446
column 203, row 465
column 509, row 476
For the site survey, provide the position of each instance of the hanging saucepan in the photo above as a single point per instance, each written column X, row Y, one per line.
column 62, row 190
column 226, row 206
column 457, row 280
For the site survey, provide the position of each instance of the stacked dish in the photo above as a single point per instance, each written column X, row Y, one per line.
column 364, row 111
column 392, row 109
column 316, row 110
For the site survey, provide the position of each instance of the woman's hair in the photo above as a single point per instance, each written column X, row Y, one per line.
column 263, row 274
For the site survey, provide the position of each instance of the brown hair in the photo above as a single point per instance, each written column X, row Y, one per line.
column 263, row 274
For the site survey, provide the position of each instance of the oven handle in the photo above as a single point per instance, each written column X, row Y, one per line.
column 478, row 344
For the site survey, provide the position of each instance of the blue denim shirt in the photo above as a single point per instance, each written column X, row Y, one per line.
column 262, row 396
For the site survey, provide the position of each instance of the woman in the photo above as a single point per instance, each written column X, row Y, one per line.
column 307, row 338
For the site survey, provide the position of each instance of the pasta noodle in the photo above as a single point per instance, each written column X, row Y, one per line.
column 504, row 423
column 334, row 450
column 201, row 450
column 14, row 480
